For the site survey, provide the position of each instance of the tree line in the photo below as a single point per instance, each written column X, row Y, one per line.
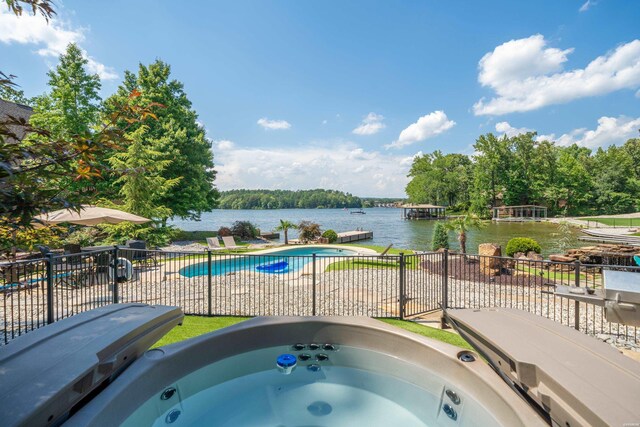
column 287, row 199
column 163, row 168
column 140, row 149
column 521, row 170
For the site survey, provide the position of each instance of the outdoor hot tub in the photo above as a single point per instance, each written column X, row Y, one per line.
column 347, row 371
column 94, row 369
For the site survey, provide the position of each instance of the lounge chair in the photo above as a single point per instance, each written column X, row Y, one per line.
column 383, row 253
column 384, row 256
column 214, row 244
column 229, row 243
column 141, row 256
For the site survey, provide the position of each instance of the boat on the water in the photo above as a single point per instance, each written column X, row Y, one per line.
column 358, row 212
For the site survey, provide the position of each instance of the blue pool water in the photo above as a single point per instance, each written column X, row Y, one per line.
column 281, row 262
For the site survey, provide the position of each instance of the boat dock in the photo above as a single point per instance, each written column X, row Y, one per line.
column 354, row 236
column 610, row 235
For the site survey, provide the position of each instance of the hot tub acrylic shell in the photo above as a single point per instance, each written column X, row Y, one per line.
column 137, row 390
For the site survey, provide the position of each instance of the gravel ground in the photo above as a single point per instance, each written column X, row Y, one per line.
column 358, row 292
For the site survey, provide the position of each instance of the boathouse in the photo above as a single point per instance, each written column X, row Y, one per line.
column 520, row 213
column 424, row 211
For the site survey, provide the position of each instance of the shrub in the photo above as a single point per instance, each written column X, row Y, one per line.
column 522, row 244
column 330, row 235
column 29, row 239
column 86, row 236
column 153, row 236
column 309, row 231
column 244, row 230
column 224, row 231
column 440, row 237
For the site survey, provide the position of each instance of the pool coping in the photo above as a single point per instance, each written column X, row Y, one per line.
column 358, row 250
column 306, row 270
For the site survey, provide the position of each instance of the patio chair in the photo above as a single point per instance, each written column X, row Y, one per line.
column 73, row 253
column 139, row 256
column 73, row 271
column 230, row 243
column 214, row 244
column 11, row 280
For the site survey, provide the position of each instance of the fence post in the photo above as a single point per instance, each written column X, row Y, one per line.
column 402, row 296
column 313, row 282
column 115, row 274
column 49, row 261
column 209, row 281
column 445, row 286
column 445, row 279
column 576, row 304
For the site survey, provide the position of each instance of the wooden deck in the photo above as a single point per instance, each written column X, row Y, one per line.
column 354, row 236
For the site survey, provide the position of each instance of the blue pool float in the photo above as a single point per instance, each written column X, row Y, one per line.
column 275, row 267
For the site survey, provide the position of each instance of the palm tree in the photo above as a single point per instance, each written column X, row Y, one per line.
column 461, row 225
column 284, row 227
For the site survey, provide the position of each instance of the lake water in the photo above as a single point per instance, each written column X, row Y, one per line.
column 387, row 226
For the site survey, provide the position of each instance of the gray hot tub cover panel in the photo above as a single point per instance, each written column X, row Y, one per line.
column 46, row 372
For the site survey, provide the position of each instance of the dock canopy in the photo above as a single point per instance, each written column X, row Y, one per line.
column 519, row 213
column 423, row 211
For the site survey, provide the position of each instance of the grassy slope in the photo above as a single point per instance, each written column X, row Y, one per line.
column 619, row 222
column 196, row 325
column 379, row 249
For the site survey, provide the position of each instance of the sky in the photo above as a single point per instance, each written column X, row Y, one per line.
column 343, row 95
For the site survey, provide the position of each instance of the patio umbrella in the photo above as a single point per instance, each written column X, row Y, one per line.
column 91, row 215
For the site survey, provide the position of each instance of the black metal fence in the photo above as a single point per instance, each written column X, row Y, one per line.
column 37, row 292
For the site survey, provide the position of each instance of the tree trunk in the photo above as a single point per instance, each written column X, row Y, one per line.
column 462, row 238
column 286, row 238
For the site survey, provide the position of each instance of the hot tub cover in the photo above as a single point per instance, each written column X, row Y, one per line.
column 574, row 378
column 47, row 372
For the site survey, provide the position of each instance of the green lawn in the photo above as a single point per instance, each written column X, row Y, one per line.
column 379, row 249
column 192, row 326
column 361, row 263
column 365, row 262
column 620, row 222
column 196, row 325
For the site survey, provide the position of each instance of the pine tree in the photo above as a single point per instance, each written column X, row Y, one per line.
column 141, row 183
column 71, row 111
column 440, row 237
column 72, row 107
column 179, row 136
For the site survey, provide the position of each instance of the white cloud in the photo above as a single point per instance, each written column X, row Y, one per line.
column 610, row 130
column 527, row 75
column 274, row 124
column 324, row 122
column 426, row 127
column 546, row 137
column 224, row 144
column 586, row 6
column 507, row 129
column 340, row 166
column 52, row 38
column 370, row 125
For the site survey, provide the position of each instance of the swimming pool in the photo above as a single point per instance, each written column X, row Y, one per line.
column 283, row 261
